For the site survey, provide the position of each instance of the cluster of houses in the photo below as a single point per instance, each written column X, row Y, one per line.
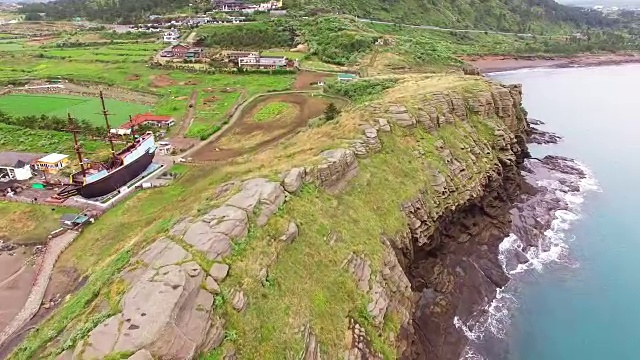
column 19, row 166
column 239, row 59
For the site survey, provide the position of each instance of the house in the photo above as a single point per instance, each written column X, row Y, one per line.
column 73, row 221
column 52, row 163
column 228, row 5
column 254, row 61
column 181, row 51
column 16, row 165
column 347, row 77
column 171, row 36
column 149, row 119
column 233, row 56
column 194, row 53
column 164, row 148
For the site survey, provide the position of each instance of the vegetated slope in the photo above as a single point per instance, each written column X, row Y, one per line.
column 113, row 10
column 257, row 35
column 385, row 48
column 530, row 16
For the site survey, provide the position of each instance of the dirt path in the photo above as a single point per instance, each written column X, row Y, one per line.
column 55, row 247
column 188, row 118
column 191, row 38
column 245, row 135
column 306, row 79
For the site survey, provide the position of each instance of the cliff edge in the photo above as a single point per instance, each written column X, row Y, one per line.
column 374, row 236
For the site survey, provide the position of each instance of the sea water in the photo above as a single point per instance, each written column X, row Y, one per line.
column 581, row 299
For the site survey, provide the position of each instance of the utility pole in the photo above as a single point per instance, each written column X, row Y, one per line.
column 106, row 114
column 133, row 130
column 74, row 130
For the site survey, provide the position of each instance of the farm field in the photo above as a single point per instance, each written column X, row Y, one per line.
column 272, row 111
column 11, row 45
column 79, row 107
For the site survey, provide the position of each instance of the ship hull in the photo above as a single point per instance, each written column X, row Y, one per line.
column 118, row 178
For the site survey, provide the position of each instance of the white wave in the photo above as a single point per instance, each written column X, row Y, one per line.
column 552, row 247
column 469, row 354
column 471, row 334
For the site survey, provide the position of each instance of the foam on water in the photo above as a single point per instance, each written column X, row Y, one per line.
column 552, row 247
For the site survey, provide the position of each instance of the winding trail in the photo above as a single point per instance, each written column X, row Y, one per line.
column 55, row 247
column 237, row 114
column 431, row 27
column 188, row 118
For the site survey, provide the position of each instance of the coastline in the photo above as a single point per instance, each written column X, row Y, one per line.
column 501, row 63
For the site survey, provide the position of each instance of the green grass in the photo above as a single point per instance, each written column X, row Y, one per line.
column 87, row 108
column 11, row 45
column 271, row 111
column 210, row 113
column 28, row 223
column 326, row 296
column 14, row 138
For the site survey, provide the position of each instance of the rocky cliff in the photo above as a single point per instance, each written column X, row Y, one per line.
column 449, row 253
column 380, row 249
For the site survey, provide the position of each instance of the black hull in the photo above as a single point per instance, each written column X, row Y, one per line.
column 118, row 178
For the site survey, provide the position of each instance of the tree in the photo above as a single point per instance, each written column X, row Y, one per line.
column 331, row 112
column 32, row 17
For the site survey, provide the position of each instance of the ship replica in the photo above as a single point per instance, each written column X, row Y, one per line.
column 97, row 179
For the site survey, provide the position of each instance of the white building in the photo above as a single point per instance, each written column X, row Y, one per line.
column 16, row 165
column 171, row 36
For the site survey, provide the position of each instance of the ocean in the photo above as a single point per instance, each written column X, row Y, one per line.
column 578, row 299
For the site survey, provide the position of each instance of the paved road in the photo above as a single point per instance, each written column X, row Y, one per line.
column 430, row 27
column 55, row 247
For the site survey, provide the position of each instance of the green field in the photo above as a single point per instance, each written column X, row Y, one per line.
column 79, row 107
column 271, row 111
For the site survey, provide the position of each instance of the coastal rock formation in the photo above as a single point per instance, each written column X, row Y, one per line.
column 333, row 174
column 214, row 233
column 174, row 325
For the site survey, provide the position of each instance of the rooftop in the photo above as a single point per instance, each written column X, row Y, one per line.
column 347, row 76
column 17, row 159
column 142, row 118
column 53, row 158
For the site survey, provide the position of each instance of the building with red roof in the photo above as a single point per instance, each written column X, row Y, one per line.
column 149, row 119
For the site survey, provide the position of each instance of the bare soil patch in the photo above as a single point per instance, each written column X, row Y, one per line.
column 189, row 82
column 210, row 99
column 161, row 81
column 41, row 40
column 16, row 279
column 306, row 79
column 245, row 135
column 496, row 63
column 64, row 281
